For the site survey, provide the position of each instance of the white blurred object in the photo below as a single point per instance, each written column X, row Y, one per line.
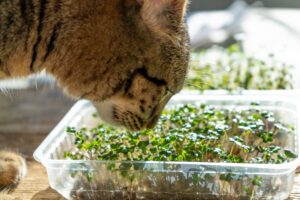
column 35, row 80
column 216, row 26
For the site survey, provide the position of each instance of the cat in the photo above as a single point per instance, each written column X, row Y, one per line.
column 129, row 57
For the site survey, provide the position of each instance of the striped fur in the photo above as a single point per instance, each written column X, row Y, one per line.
column 127, row 56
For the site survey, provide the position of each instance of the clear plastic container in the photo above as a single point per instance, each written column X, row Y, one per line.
column 170, row 180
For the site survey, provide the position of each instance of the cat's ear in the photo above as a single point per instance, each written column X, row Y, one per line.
column 162, row 15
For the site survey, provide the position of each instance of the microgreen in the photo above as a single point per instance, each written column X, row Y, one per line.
column 190, row 133
column 232, row 69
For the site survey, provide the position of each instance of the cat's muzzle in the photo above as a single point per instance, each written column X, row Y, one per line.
column 119, row 112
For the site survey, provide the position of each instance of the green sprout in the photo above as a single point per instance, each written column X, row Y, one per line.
column 190, row 133
column 232, row 69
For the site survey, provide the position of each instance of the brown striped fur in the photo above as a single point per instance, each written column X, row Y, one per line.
column 127, row 56
column 12, row 170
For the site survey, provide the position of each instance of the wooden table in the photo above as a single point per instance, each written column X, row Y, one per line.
column 35, row 186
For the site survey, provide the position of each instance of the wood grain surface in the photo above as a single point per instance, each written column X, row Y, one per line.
column 35, row 186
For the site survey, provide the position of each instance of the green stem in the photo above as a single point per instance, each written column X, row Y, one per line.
column 253, row 193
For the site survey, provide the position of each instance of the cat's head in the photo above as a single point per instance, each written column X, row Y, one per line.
column 161, row 73
column 132, row 58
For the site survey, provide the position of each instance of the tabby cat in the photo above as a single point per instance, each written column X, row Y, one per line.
column 127, row 56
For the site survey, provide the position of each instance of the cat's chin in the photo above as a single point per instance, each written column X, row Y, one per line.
column 117, row 112
column 110, row 114
column 105, row 111
column 131, row 113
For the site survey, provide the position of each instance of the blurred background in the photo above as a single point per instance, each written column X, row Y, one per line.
column 197, row 5
column 215, row 22
column 31, row 107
